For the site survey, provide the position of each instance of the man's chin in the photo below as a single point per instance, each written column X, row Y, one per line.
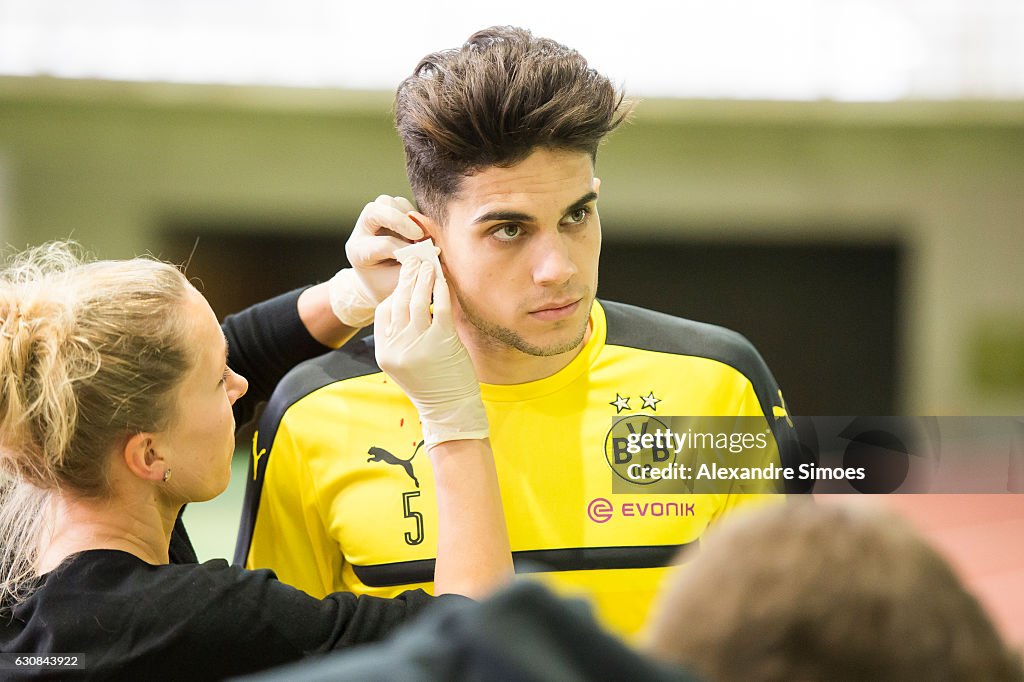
column 547, row 345
column 532, row 337
column 553, row 349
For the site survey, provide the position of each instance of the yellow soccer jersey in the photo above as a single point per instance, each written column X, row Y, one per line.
column 340, row 495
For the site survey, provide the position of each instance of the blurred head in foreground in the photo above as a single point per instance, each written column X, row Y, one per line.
column 806, row 592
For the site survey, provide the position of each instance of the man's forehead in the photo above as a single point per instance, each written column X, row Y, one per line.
column 542, row 179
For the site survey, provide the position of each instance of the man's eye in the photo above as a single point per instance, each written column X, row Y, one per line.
column 508, row 232
column 578, row 216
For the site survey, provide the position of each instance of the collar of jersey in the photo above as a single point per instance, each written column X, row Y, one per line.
column 559, row 380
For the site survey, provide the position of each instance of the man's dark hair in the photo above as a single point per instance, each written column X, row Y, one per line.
column 492, row 102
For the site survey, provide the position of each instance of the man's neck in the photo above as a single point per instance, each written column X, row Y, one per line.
column 503, row 365
column 139, row 527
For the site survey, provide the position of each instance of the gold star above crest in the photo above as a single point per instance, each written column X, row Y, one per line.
column 650, row 401
column 620, row 403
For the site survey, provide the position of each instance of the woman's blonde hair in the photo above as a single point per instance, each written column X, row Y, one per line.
column 90, row 354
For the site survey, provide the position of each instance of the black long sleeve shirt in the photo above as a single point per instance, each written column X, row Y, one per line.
column 129, row 620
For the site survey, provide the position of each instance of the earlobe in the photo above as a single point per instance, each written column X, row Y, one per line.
column 431, row 229
column 142, row 458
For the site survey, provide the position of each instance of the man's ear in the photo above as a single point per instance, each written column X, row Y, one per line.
column 141, row 456
column 597, row 186
column 428, row 225
column 432, row 229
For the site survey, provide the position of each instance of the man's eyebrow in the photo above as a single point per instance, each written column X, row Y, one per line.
column 225, row 348
column 519, row 217
column 512, row 216
column 581, row 202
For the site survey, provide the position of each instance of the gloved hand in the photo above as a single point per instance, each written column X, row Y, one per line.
column 425, row 356
column 382, row 227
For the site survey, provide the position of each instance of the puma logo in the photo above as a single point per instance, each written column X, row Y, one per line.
column 256, row 454
column 780, row 411
column 382, row 455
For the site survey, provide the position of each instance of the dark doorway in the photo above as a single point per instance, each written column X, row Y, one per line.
column 235, row 268
column 823, row 315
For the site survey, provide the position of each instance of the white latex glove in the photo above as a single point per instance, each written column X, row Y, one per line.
column 425, row 356
column 382, row 227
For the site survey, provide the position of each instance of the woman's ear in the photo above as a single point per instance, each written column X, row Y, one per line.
column 142, row 457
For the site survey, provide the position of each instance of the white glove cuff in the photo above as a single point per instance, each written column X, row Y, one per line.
column 466, row 422
column 350, row 301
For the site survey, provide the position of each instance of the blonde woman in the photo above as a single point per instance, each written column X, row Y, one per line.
column 120, row 393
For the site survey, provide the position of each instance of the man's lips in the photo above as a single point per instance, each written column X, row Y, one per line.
column 556, row 310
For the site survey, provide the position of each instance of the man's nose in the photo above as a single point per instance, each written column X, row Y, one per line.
column 553, row 262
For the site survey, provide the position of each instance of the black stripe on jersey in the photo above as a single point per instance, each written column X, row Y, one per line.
column 354, row 359
column 633, row 327
column 532, row 561
column 644, row 329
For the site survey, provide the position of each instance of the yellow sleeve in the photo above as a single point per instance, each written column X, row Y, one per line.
column 290, row 536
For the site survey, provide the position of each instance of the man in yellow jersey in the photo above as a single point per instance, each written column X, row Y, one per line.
column 501, row 137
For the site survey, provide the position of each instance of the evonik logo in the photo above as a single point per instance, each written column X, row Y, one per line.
column 600, row 510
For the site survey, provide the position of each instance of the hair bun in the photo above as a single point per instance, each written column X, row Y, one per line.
column 89, row 351
column 34, row 375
